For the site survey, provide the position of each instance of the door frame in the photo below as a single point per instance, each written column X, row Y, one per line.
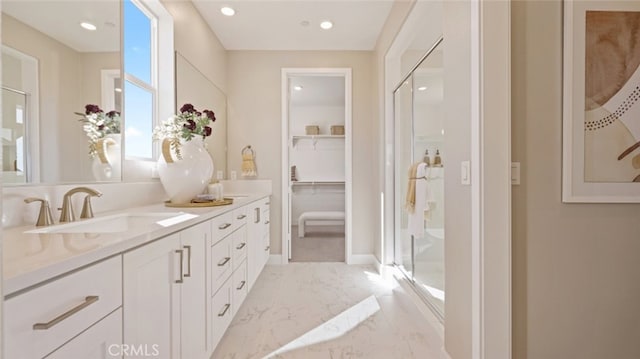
column 286, row 144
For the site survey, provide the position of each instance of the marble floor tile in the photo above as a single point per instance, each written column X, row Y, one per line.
column 328, row 310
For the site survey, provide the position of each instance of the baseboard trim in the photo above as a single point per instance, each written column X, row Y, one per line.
column 275, row 259
column 445, row 355
column 359, row 259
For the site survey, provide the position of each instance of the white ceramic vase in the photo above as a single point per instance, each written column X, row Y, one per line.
column 185, row 177
column 107, row 165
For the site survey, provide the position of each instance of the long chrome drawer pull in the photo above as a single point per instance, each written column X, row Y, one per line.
column 268, row 247
column 224, row 261
column 242, row 216
column 242, row 285
column 224, row 226
column 241, row 245
column 87, row 302
column 181, row 265
column 257, row 215
column 224, row 311
column 188, row 248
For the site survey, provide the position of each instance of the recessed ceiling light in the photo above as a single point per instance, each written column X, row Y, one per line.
column 297, row 88
column 88, row 26
column 227, row 11
column 326, row 25
column 422, row 88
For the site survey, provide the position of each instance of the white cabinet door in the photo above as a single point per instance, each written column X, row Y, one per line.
column 102, row 340
column 221, row 311
column 254, row 242
column 152, row 296
column 194, row 292
column 266, row 228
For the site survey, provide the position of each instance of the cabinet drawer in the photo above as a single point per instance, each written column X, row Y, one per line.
column 240, row 216
column 42, row 319
column 221, row 262
column 240, row 247
column 240, row 286
column 221, row 311
column 222, row 226
column 100, row 341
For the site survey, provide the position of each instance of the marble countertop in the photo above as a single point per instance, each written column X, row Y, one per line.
column 33, row 258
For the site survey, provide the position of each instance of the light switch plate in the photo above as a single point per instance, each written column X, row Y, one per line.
column 515, row 173
column 234, row 175
column 465, row 173
column 219, row 175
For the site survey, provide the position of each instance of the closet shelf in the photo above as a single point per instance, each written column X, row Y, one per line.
column 313, row 183
column 314, row 138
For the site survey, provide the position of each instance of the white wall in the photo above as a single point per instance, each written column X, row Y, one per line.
column 457, row 126
column 382, row 168
column 254, row 79
column 195, row 40
column 576, row 272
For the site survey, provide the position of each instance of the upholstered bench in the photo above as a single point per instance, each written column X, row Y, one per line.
column 322, row 218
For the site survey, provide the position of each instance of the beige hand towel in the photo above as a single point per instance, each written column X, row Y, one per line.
column 410, row 201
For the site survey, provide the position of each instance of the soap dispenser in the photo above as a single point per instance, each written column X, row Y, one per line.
column 437, row 161
column 426, row 158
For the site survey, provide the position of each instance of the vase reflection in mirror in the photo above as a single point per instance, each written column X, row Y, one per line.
column 106, row 165
column 187, row 176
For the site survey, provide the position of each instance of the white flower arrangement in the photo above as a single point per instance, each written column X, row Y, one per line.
column 186, row 126
column 98, row 124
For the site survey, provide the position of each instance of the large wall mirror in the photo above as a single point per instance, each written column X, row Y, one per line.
column 193, row 87
column 57, row 57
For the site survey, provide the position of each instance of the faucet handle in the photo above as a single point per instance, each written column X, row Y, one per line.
column 44, row 217
column 87, row 211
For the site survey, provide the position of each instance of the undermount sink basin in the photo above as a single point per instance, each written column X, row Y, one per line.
column 118, row 223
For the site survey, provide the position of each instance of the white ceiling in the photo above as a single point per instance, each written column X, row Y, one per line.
column 257, row 24
column 276, row 24
column 61, row 21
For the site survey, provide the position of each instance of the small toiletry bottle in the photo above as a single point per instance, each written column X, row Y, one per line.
column 427, row 159
column 220, row 192
column 437, row 161
column 213, row 189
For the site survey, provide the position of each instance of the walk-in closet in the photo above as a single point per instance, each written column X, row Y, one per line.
column 317, row 133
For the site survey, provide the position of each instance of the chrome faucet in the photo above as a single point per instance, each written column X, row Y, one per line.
column 67, row 214
column 44, row 217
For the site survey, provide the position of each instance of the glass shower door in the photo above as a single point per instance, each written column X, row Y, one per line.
column 419, row 178
column 403, row 158
column 428, row 142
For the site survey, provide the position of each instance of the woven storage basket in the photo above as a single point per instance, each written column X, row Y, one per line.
column 337, row 130
column 312, row 130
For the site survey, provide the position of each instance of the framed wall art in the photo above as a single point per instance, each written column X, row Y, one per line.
column 601, row 101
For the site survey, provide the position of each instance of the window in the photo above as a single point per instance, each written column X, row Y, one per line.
column 148, row 75
column 140, row 85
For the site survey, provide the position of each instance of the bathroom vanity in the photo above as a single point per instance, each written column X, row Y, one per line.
column 149, row 281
